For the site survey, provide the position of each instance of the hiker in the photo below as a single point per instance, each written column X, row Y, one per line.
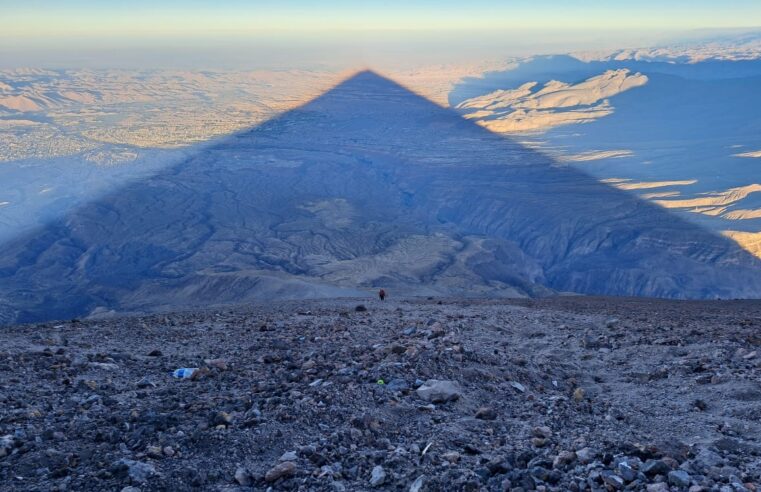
column 382, row 294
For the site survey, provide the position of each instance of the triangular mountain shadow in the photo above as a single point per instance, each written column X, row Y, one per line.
column 367, row 185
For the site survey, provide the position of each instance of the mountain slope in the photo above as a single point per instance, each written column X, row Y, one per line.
column 368, row 185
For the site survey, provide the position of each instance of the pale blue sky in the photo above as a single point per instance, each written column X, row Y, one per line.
column 31, row 18
column 297, row 32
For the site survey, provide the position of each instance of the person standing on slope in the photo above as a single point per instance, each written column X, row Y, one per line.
column 382, row 294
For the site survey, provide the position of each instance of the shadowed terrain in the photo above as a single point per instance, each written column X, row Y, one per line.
column 368, row 185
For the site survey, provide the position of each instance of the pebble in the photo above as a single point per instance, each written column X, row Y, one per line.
column 658, row 487
column 417, row 484
column 679, row 478
column 655, row 467
column 542, row 431
column 538, row 442
column 578, row 394
column 436, row 391
column 220, row 364
column 378, row 476
column 613, row 480
column 154, row 452
column 451, row 456
column 397, row 385
column 222, row 418
column 6, row 445
column 564, row 458
column 584, row 455
column 626, row 471
column 289, row 456
column 243, row 477
column 138, row 471
column 518, row 386
column 145, row 383
column 281, row 470
column 486, row 413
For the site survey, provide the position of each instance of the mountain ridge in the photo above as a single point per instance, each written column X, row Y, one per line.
column 367, row 185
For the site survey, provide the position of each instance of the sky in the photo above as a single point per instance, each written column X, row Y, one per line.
column 71, row 31
column 33, row 18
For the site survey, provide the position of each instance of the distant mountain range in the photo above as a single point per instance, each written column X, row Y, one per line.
column 369, row 185
column 682, row 135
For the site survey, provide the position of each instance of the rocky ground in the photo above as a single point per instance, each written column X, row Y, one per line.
column 409, row 395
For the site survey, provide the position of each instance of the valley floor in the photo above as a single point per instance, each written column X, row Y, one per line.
column 556, row 394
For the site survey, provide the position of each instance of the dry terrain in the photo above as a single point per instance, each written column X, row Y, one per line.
column 420, row 394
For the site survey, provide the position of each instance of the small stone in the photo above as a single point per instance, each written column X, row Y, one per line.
column 679, row 478
column 288, row 456
column 498, row 466
column 655, row 467
column 360, row 308
column 542, row 431
column 584, row 456
column 243, row 477
column 451, row 456
column 130, row 488
column 436, row 391
column 6, row 445
column 518, row 386
column 397, row 385
column 564, row 458
column 417, row 484
column 613, row 480
column 145, row 383
column 378, row 476
column 220, row 364
column 154, row 452
column 626, row 471
column 199, row 374
column 538, row 442
column 706, row 459
column 700, row 405
column 155, row 353
column 222, row 418
column 168, row 451
column 658, row 487
column 486, row 413
column 578, row 394
column 281, row 470
column 138, row 471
